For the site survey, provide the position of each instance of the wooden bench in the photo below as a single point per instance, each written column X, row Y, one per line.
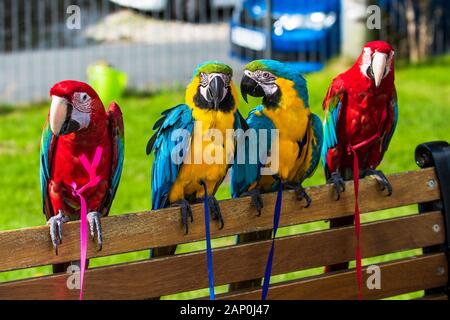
column 422, row 229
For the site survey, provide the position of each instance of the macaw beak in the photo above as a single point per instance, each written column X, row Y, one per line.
column 60, row 117
column 250, row 87
column 378, row 67
column 216, row 91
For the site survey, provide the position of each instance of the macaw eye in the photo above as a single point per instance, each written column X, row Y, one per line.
column 81, row 101
column 265, row 76
column 227, row 80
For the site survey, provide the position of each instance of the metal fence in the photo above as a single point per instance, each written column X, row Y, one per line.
column 158, row 43
column 158, row 48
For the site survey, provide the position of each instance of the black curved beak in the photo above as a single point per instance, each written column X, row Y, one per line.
column 216, row 90
column 250, row 87
column 69, row 126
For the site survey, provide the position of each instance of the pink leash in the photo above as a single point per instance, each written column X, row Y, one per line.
column 93, row 181
column 352, row 149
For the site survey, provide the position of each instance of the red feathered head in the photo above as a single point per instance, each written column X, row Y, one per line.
column 376, row 61
column 74, row 106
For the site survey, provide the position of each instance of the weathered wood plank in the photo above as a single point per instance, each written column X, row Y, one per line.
column 398, row 277
column 186, row 272
column 131, row 232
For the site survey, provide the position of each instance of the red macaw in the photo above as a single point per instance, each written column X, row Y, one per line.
column 360, row 118
column 77, row 125
column 360, row 108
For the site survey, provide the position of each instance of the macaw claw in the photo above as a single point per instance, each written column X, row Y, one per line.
column 216, row 213
column 93, row 219
column 382, row 180
column 56, row 226
column 300, row 192
column 257, row 201
column 186, row 213
column 338, row 183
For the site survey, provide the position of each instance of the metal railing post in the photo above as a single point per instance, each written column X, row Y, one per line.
column 269, row 30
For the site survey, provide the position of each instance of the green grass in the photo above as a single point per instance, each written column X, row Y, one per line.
column 424, row 106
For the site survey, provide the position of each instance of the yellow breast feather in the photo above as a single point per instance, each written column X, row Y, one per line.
column 291, row 118
column 198, row 168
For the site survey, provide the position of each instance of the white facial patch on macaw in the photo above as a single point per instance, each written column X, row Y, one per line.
column 205, row 80
column 377, row 63
column 265, row 79
column 389, row 64
column 81, row 112
column 366, row 61
column 82, row 118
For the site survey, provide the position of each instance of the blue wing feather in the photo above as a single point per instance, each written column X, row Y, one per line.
column 332, row 106
column 164, row 170
column 47, row 145
column 117, row 136
column 118, row 172
column 243, row 175
column 329, row 130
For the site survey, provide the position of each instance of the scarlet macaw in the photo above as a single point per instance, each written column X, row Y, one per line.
column 211, row 102
column 77, row 125
column 361, row 115
column 360, row 104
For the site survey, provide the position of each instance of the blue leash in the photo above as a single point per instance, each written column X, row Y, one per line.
column 276, row 220
column 208, row 246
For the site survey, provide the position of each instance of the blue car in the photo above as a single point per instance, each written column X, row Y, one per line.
column 304, row 32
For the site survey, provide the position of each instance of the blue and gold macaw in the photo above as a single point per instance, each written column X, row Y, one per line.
column 284, row 108
column 180, row 172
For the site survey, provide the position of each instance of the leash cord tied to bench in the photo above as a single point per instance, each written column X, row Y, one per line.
column 276, row 220
column 93, row 181
column 352, row 149
column 208, row 244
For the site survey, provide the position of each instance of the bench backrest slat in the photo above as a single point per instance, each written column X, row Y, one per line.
column 162, row 276
column 398, row 277
column 125, row 233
